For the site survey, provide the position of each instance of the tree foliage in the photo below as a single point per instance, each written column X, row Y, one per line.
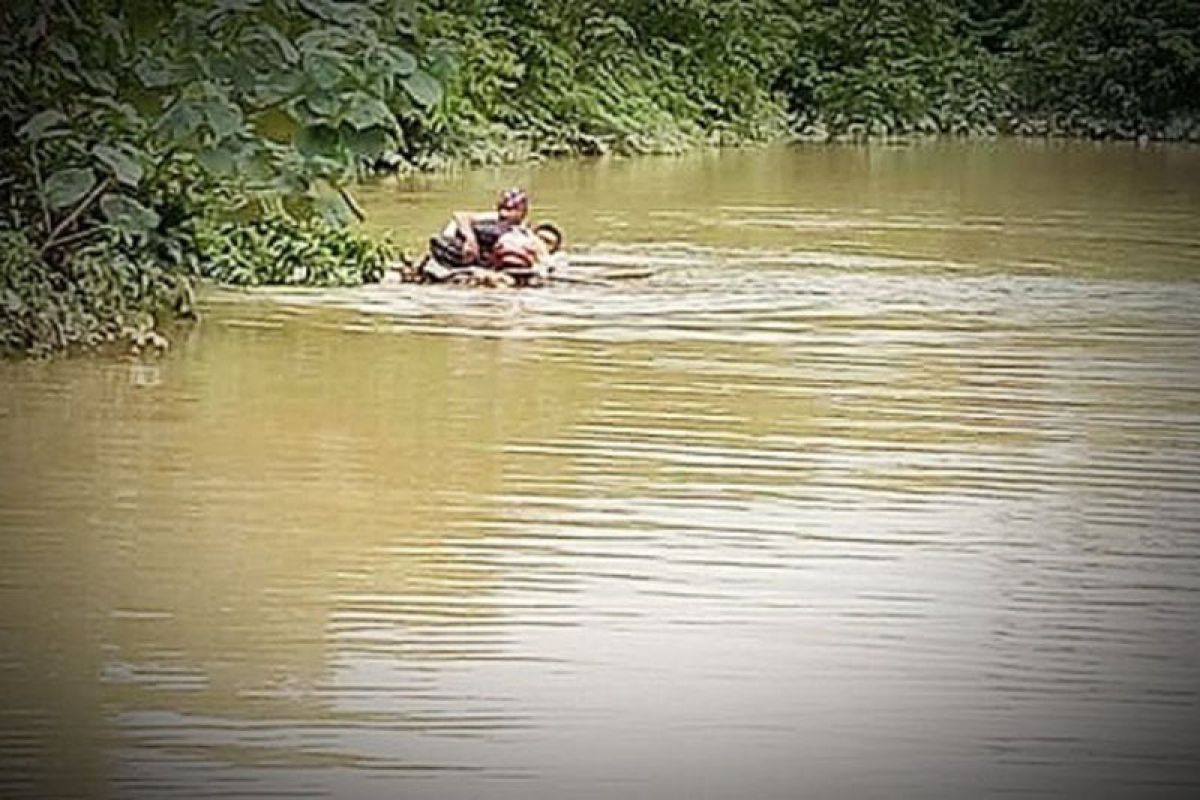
column 1105, row 68
column 649, row 75
column 130, row 125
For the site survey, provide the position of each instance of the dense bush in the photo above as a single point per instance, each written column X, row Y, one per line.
column 892, row 67
column 129, row 130
column 106, row 291
column 591, row 76
column 633, row 76
column 1104, row 68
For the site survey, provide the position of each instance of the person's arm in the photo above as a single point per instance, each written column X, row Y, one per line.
column 465, row 221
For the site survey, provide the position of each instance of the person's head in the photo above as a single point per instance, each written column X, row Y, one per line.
column 551, row 235
column 512, row 206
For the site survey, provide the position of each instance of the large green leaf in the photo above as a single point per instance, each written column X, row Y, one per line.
column 68, row 186
column 332, row 208
column 181, row 121
column 317, row 140
column 286, row 48
column 323, row 9
column 364, row 111
column 369, row 143
column 99, row 80
column 324, row 67
column 128, row 214
column 114, row 30
column 321, row 103
column 223, row 117
column 397, row 60
column 223, row 160
column 289, row 183
column 65, row 51
column 40, row 123
column 274, row 89
column 124, row 166
column 156, row 73
column 423, row 88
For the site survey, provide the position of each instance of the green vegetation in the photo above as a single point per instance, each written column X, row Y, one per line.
column 145, row 144
column 141, row 137
column 593, row 76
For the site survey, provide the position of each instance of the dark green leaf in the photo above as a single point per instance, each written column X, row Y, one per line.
column 223, row 117
column 181, row 121
column 219, row 162
column 423, row 88
column 156, row 73
column 124, row 166
column 269, row 91
column 333, row 209
column 226, row 159
column 443, row 65
column 128, row 214
column 324, row 67
column 41, row 122
column 324, row 9
column 364, row 111
column 113, row 29
column 398, row 61
column 317, row 140
column 369, row 143
column 290, row 54
column 65, row 51
column 68, row 186
column 99, row 80
column 231, row 6
column 322, row 104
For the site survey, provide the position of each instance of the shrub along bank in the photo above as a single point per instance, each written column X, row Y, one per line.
column 149, row 144
column 145, row 144
column 591, row 76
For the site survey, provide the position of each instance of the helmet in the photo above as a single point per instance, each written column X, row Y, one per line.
column 513, row 198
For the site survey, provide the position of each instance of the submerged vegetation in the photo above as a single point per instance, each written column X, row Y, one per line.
column 145, row 144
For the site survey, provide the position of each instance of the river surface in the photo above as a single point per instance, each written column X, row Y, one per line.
column 884, row 484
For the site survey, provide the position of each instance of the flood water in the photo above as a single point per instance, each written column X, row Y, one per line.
column 883, row 485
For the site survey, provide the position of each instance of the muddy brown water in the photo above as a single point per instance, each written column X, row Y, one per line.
column 884, row 485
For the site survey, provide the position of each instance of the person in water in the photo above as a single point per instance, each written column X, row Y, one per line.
column 523, row 257
column 470, row 237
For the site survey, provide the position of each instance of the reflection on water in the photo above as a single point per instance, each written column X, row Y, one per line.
column 881, row 485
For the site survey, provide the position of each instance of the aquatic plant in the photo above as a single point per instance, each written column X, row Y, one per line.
column 281, row 249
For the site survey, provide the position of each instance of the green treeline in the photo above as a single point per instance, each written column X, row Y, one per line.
column 556, row 76
column 145, row 144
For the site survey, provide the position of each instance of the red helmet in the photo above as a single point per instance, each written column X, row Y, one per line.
column 512, row 198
